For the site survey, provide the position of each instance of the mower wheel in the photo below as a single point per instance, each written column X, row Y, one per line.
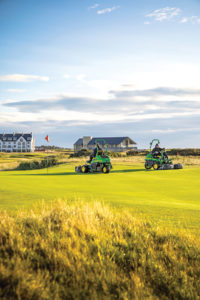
column 147, row 167
column 178, row 166
column 156, row 166
column 84, row 169
column 78, row 169
column 105, row 169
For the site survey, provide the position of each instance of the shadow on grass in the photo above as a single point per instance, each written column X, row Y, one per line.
column 128, row 171
column 51, row 174
column 78, row 174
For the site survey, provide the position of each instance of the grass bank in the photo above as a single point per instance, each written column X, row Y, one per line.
column 92, row 251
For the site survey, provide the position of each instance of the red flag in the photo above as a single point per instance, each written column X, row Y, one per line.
column 47, row 138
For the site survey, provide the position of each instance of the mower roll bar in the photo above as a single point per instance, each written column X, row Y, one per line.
column 99, row 141
column 154, row 140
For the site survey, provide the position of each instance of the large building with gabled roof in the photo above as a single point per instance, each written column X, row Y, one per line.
column 115, row 144
column 17, row 142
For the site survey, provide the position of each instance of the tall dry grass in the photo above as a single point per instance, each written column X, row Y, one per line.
column 91, row 251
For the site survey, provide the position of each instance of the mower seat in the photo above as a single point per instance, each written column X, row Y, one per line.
column 156, row 155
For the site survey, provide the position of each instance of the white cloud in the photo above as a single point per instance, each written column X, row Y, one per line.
column 80, row 77
column 107, row 10
column 67, row 76
column 166, row 13
column 169, row 13
column 94, row 6
column 193, row 20
column 176, row 130
column 184, row 20
column 15, row 91
column 22, row 78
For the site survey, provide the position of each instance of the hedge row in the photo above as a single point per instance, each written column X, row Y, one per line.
column 85, row 152
column 51, row 161
column 181, row 152
column 184, row 152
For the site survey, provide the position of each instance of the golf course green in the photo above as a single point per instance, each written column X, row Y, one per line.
column 171, row 197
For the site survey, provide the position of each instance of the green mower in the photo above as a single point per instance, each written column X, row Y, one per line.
column 101, row 163
column 159, row 162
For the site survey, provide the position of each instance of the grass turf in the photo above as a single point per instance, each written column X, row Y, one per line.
column 169, row 197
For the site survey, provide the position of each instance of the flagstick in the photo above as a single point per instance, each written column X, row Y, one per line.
column 47, row 158
column 47, row 139
column 47, row 154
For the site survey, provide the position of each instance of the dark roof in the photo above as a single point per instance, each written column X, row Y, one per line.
column 15, row 136
column 111, row 140
column 79, row 142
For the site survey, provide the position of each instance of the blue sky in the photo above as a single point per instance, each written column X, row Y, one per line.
column 101, row 68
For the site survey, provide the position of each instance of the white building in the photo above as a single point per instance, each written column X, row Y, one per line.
column 17, row 142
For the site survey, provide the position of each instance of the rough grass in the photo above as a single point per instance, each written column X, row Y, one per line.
column 10, row 161
column 91, row 251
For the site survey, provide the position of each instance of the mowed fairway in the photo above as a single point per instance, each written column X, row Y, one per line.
column 166, row 197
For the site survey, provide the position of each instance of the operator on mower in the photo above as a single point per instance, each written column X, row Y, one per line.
column 157, row 151
column 93, row 155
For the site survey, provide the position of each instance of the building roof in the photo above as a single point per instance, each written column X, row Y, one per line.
column 15, row 136
column 111, row 140
column 79, row 142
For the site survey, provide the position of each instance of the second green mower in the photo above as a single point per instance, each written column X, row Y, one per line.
column 161, row 162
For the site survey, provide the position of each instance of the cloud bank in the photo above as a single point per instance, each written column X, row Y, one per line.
column 171, row 114
column 22, row 78
column 135, row 105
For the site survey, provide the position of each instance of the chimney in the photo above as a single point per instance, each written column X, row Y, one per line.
column 86, row 140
